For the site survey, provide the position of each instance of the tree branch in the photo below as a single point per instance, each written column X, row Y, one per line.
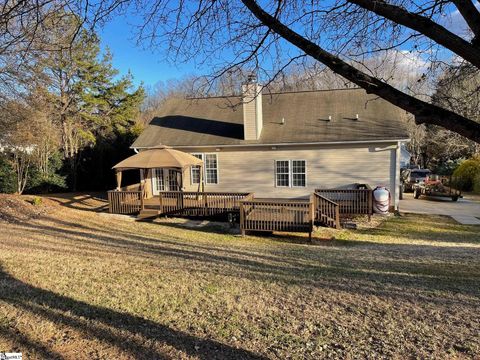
column 471, row 15
column 423, row 112
column 424, row 26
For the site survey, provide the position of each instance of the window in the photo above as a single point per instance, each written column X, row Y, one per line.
column 210, row 169
column 158, row 183
column 195, row 172
column 299, row 177
column 173, row 181
column 290, row 173
column 282, row 169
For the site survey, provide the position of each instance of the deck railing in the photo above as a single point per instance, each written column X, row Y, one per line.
column 276, row 215
column 350, row 201
column 125, row 201
column 326, row 211
column 325, row 207
column 199, row 204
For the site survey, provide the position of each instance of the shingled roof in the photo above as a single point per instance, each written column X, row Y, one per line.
column 217, row 121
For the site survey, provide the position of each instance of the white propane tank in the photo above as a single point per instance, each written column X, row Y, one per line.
column 381, row 200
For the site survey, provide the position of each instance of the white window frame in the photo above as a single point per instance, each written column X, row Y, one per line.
column 204, row 167
column 290, row 174
column 276, row 173
column 156, row 180
column 191, row 169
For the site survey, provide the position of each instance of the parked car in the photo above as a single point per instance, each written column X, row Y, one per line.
column 410, row 177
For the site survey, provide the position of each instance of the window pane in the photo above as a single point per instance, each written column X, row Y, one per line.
column 298, row 179
column 212, row 176
column 298, row 166
column 211, row 161
column 158, row 174
column 195, row 174
column 282, row 179
column 173, row 184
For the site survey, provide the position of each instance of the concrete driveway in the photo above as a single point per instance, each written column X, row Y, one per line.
column 465, row 211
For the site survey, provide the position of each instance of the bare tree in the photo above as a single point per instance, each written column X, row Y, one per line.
column 340, row 34
column 18, row 140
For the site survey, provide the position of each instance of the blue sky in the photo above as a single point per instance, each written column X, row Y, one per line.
column 150, row 67
column 146, row 66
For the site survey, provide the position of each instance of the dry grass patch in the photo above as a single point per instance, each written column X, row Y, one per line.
column 79, row 284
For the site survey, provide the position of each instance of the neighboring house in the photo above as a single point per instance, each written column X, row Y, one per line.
column 281, row 145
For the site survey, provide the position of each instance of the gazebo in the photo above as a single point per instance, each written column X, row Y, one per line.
column 158, row 158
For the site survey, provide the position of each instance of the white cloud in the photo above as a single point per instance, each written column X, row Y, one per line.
column 455, row 22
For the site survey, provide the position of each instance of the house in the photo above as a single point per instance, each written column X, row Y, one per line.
column 280, row 145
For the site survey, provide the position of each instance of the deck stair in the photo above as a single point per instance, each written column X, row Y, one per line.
column 326, row 211
column 148, row 214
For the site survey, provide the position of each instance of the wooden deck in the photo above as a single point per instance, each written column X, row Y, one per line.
column 324, row 207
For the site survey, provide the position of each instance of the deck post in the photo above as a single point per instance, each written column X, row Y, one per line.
column 160, row 198
column 110, row 210
column 205, row 204
column 118, row 174
column 370, row 204
column 337, row 217
column 312, row 215
column 242, row 218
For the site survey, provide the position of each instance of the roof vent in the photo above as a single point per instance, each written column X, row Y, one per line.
column 283, row 121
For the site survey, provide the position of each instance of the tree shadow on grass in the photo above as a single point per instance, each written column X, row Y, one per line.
column 91, row 202
column 118, row 329
column 22, row 342
column 369, row 268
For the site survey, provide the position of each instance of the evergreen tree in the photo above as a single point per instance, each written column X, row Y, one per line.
column 90, row 100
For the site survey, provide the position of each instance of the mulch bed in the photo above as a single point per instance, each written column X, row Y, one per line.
column 19, row 208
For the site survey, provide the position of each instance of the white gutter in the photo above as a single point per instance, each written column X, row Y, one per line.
column 285, row 144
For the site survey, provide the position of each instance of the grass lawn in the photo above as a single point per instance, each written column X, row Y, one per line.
column 79, row 284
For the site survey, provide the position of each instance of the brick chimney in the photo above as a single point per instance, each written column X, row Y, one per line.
column 252, row 109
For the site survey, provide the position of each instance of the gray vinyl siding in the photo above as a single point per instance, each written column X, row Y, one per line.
column 254, row 170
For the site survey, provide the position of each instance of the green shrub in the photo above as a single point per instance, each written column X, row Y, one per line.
column 467, row 175
column 7, row 177
column 476, row 184
column 36, row 201
column 40, row 183
column 447, row 167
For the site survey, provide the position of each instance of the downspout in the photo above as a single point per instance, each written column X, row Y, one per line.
column 397, row 176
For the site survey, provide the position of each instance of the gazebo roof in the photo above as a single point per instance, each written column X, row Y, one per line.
column 158, row 158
